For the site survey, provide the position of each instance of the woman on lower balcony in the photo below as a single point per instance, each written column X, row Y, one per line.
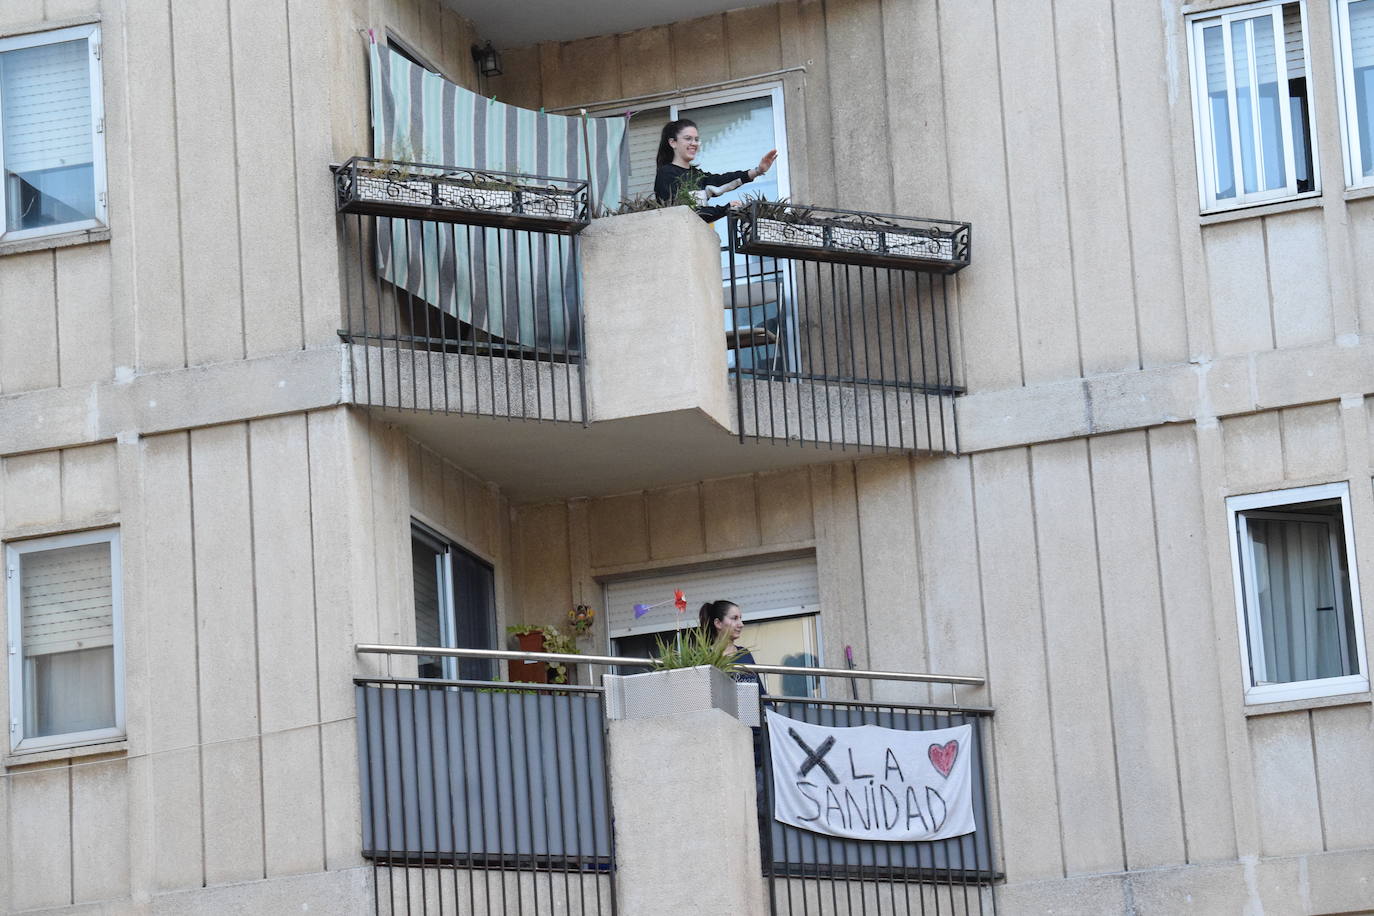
column 723, row 621
column 677, row 148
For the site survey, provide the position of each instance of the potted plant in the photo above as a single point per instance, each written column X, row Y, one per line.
column 537, row 637
column 692, row 672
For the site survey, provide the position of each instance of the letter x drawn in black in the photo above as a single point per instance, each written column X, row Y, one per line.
column 813, row 758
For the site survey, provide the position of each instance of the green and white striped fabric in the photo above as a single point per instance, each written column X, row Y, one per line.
column 516, row 287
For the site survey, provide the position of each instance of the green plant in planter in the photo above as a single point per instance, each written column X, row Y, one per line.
column 555, row 641
column 525, row 629
column 691, row 648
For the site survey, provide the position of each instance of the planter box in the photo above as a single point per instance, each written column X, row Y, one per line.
column 848, row 237
column 670, row 693
column 747, row 699
column 403, row 190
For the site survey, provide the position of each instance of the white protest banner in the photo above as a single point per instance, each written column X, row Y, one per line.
column 866, row 782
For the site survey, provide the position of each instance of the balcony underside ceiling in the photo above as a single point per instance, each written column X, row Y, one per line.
column 536, row 461
column 513, row 25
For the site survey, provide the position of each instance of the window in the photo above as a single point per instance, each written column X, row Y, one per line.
column 780, row 600
column 1251, row 110
column 455, row 604
column 1354, row 29
column 65, row 640
column 52, row 143
column 1297, row 594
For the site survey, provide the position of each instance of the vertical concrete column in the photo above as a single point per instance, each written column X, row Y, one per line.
column 686, row 822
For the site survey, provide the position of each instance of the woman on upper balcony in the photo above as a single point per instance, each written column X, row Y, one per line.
column 677, row 148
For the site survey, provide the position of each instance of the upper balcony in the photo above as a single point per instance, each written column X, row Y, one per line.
column 644, row 350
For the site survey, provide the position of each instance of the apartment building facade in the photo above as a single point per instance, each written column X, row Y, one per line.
column 1147, row 538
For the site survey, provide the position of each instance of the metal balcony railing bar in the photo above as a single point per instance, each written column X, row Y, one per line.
column 411, row 307
column 862, row 349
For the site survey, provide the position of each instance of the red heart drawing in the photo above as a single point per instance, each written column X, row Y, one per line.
column 943, row 757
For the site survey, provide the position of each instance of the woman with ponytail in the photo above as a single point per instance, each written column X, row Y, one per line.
column 677, row 147
column 723, row 622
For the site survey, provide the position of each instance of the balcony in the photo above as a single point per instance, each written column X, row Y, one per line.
column 478, row 795
column 639, row 349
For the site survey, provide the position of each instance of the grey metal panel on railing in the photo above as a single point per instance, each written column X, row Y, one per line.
column 486, row 778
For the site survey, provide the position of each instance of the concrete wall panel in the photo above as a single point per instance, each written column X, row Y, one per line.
column 28, row 322
column 916, row 125
column 90, row 482
column 284, row 575
column 100, row 830
column 1071, row 607
column 730, row 513
column 895, row 635
column 1151, row 806
column 210, row 231
column 753, row 43
column 978, row 183
column 1313, row 444
column 293, row 802
column 264, row 129
column 1151, row 178
column 675, row 527
column 543, row 591
column 646, row 60
column 839, row 568
column 32, row 490
column 784, row 499
column 1090, row 96
column 1239, row 293
column 232, row 774
column 85, row 314
column 1199, row 702
column 176, row 819
column 342, row 808
column 806, row 31
column 40, row 872
column 1254, row 451
column 1296, row 256
column 1027, row 803
column 619, row 530
column 1339, row 735
column 224, row 581
column 1285, row 783
column 853, row 33
column 173, row 707
column 704, row 57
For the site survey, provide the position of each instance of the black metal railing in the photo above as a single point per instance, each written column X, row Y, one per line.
column 462, row 290
column 813, row 873
column 841, row 326
column 484, row 798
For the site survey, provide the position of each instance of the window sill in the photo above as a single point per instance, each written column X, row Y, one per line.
column 1310, row 201
column 117, row 746
column 1363, row 193
column 1348, row 699
column 64, row 240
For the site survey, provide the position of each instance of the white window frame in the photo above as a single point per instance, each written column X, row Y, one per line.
column 1345, row 94
column 14, row 552
column 91, row 33
column 1202, row 117
column 1244, row 585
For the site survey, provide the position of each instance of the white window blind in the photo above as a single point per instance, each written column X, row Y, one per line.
column 45, row 100
column 770, row 589
column 67, row 600
column 646, row 128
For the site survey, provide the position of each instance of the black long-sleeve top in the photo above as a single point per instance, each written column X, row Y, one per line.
column 671, row 178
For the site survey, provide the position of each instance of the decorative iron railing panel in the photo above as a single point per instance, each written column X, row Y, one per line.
column 840, row 346
column 810, row 873
column 479, row 197
column 485, row 799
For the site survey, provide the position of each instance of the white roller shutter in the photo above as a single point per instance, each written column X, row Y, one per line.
column 66, row 599
column 643, row 135
column 1362, row 34
column 775, row 588
column 45, row 102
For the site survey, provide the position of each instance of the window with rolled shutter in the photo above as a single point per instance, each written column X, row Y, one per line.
column 51, row 128
column 65, row 612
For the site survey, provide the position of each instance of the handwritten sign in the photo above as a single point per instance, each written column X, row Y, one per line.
column 871, row 783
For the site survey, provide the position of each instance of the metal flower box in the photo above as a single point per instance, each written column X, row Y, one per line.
column 851, row 237
column 408, row 190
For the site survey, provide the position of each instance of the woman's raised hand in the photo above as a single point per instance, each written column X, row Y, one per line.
column 766, row 162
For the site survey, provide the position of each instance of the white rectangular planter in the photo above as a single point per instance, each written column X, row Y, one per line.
column 747, row 699
column 670, row 693
column 933, row 248
column 473, row 198
column 855, row 239
column 415, row 191
column 785, row 233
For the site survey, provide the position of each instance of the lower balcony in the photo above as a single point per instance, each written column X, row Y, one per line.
column 640, row 348
column 486, row 796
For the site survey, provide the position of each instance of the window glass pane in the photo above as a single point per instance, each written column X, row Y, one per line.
column 1258, row 97
column 1219, row 109
column 47, row 147
column 66, row 609
column 1362, row 62
column 425, row 566
column 474, row 593
column 1301, row 598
